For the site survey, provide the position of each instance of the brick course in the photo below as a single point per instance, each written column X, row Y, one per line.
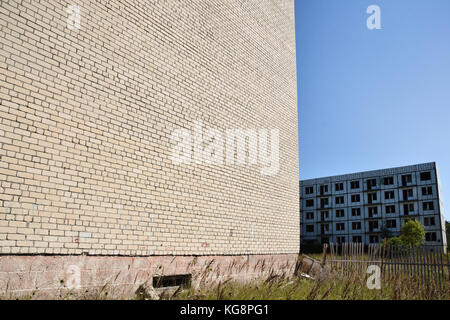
column 86, row 118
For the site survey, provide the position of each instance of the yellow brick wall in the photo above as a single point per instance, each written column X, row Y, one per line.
column 87, row 114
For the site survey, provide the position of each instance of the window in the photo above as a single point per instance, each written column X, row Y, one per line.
column 373, row 239
column 340, row 240
column 390, row 209
column 356, row 198
column 356, row 212
column 340, row 200
column 430, row 236
column 357, row 239
column 354, row 184
column 373, row 225
column 310, row 203
column 356, row 225
column 340, row 213
column 391, row 224
column 181, row 280
column 310, row 215
column 339, row 186
column 340, row 226
column 372, row 197
column 373, row 211
column 408, row 208
column 324, row 215
column 310, row 228
column 325, row 228
column 407, row 178
column 323, row 189
column 425, row 176
column 388, row 181
column 428, row 206
column 408, row 193
column 429, row 221
column 323, row 202
column 427, row 191
column 389, row 195
column 309, row 190
column 371, row 183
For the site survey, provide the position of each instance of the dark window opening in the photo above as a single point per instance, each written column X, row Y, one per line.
column 356, row 225
column 406, row 179
column 428, row 206
column 372, row 197
column 425, row 176
column 389, row 195
column 371, row 183
column 391, row 224
column 390, row 209
column 430, row 236
column 339, row 200
column 183, row 280
column 427, row 191
column 354, row 184
column 429, row 221
column 340, row 213
column 309, row 190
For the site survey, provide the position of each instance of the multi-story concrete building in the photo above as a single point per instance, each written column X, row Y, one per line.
column 94, row 96
column 368, row 206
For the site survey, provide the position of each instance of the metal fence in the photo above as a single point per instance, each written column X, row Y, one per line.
column 427, row 264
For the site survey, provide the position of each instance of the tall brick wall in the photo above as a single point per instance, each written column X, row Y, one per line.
column 87, row 114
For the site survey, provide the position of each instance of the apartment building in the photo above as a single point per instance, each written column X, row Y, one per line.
column 368, row 206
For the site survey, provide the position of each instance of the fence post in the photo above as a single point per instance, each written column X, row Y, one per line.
column 324, row 256
column 382, row 257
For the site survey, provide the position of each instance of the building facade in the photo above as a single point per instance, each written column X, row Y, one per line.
column 368, row 206
column 92, row 93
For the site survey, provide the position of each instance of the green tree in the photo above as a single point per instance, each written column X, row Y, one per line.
column 411, row 234
column 395, row 241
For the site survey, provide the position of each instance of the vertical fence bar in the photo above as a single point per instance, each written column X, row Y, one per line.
column 437, row 268
column 363, row 258
column 395, row 250
column 402, row 260
column 353, row 258
column 324, row 254
column 427, row 261
column 448, row 265
column 441, row 268
column 331, row 256
column 422, row 267
column 415, row 261
column 408, row 260
column 347, row 259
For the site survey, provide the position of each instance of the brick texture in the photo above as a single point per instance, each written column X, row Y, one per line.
column 86, row 118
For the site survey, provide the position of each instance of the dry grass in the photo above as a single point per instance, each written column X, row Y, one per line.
column 333, row 288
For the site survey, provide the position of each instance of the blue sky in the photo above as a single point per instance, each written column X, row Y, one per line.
column 373, row 99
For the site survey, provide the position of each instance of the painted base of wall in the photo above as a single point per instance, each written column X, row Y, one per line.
column 59, row 277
